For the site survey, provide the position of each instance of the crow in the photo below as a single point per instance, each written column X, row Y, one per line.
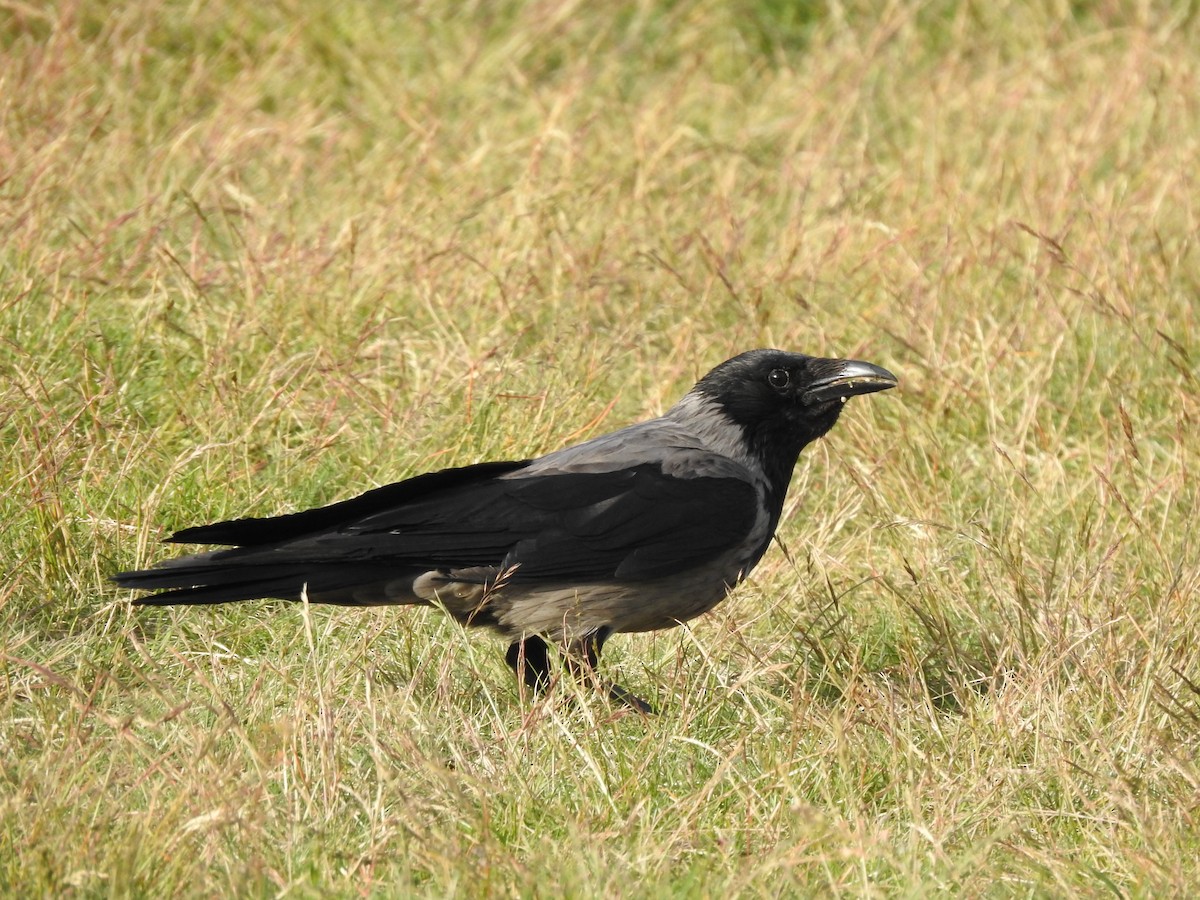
column 637, row 530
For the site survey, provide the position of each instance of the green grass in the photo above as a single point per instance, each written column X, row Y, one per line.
column 255, row 257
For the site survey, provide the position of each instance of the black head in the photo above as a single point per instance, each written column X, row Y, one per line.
column 783, row 401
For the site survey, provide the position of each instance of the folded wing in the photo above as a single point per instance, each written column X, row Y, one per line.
column 642, row 522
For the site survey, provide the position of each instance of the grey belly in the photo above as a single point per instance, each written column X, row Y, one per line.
column 568, row 612
column 572, row 612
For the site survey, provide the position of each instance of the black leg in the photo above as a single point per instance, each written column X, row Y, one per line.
column 583, row 655
column 530, row 661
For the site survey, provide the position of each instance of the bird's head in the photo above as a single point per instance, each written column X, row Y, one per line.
column 783, row 401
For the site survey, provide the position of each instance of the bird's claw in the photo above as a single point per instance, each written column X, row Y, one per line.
column 618, row 694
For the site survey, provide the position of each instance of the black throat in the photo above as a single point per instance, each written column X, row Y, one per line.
column 776, row 442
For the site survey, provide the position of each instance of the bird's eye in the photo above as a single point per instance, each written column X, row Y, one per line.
column 779, row 379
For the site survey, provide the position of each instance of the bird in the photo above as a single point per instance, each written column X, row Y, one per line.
column 637, row 530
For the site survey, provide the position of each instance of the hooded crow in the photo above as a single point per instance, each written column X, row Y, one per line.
column 636, row 530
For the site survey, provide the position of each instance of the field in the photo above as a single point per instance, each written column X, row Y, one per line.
column 260, row 256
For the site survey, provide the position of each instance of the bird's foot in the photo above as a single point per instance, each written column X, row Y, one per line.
column 529, row 658
column 618, row 694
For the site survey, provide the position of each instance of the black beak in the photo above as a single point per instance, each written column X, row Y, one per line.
column 849, row 378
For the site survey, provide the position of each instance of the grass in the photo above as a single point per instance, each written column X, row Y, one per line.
column 260, row 256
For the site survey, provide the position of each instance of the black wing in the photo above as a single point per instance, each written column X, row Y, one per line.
column 631, row 524
column 279, row 529
column 567, row 527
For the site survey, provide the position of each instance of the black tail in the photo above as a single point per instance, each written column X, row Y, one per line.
column 227, row 576
column 204, row 578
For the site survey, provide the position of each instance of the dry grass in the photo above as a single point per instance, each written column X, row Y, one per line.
column 256, row 257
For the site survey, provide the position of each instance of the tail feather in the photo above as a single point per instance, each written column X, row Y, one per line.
column 228, row 593
column 225, row 576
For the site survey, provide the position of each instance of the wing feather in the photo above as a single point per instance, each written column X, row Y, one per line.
column 649, row 520
column 631, row 524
